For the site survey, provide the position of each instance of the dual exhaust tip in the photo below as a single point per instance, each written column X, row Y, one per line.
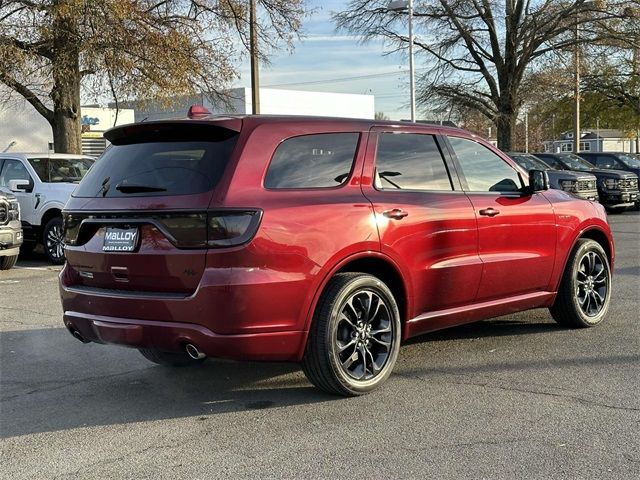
column 193, row 352
column 190, row 348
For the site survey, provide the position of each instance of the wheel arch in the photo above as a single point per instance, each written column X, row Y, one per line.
column 596, row 234
column 50, row 213
column 376, row 264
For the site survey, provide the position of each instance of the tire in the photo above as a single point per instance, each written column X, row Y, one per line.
column 344, row 323
column 53, row 241
column 636, row 207
column 169, row 359
column 7, row 263
column 585, row 289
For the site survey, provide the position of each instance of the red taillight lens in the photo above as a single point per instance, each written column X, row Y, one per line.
column 227, row 228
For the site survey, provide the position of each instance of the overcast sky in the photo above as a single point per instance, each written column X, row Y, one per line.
column 330, row 59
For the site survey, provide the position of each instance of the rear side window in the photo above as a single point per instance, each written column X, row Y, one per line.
column 410, row 161
column 484, row 170
column 312, row 161
column 158, row 168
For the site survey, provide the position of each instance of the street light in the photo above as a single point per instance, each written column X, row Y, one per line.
column 600, row 4
column 253, row 48
column 401, row 6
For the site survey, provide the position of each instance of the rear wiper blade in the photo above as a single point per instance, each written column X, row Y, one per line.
column 133, row 188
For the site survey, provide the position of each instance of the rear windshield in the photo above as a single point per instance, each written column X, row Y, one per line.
column 158, row 168
column 61, row 170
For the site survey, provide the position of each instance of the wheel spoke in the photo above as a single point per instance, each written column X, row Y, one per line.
column 343, row 346
column 350, row 359
column 374, row 366
column 380, row 342
column 345, row 318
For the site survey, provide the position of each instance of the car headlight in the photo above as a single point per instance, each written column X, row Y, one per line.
column 14, row 210
column 611, row 183
column 568, row 185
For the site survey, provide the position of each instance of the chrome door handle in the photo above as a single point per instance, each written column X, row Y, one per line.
column 395, row 213
column 489, row 212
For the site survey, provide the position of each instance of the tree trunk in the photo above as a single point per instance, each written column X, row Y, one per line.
column 506, row 126
column 65, row 94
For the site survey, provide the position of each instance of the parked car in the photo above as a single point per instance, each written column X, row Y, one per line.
column 10, row 230
column 617, row 189
column 581, row 185
column 324, row 241
column 628, row 162
column 43, row 183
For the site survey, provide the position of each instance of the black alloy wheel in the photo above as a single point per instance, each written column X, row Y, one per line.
column 585, row 289
column 354, row 339
column 53, row 241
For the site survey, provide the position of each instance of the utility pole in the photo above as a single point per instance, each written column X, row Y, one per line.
column 576, row 113
column 526, row 132
column 253, row 47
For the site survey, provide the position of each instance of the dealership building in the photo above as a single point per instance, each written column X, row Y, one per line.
column 20, row 123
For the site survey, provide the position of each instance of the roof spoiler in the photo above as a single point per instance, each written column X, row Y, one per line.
column 174, row 130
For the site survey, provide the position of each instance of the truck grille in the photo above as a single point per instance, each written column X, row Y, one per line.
column 4, row 212
column 628, row 184
column 586, row 185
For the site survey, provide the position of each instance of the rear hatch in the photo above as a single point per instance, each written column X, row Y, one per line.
column 138, row 221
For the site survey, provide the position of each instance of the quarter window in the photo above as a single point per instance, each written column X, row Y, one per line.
column 410, row 161
column 484, row 170
column 312, row 161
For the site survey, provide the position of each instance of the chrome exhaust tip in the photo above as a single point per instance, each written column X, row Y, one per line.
column 77, row 335
column 193, row 352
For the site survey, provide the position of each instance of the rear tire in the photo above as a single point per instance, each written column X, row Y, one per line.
column 53, row 241
column 169, row 359
column 7, row 263
column 354, row 339
column 585, row 289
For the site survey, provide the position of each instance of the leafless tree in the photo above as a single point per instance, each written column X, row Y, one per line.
column 478, row 52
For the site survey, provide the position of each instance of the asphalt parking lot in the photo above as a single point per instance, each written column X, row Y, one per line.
column 514, row 397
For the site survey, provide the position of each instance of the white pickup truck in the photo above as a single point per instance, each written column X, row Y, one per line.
column 43, row 182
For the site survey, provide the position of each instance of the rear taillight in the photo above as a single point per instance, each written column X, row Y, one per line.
column 227, row 228
column 187, row 230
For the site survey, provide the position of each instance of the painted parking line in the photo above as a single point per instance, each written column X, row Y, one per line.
column 43, row 269
column 8, row 282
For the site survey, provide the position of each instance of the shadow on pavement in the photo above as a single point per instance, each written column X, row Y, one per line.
column 52, row 382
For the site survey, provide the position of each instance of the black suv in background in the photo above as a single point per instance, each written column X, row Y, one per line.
column 581, row 185
column 629, row 162
column 617, row 189
column 10, row 230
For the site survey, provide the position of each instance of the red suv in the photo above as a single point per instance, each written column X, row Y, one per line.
column 325, row 241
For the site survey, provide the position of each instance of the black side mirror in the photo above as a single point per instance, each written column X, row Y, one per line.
column 538, row 181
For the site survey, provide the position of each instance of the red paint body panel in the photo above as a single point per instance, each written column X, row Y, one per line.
column 256, row 301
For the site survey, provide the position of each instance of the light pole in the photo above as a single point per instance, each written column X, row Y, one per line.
column 399, row 6
column 253, row 47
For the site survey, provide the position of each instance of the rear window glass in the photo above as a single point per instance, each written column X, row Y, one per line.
column 158, row 168
column 312, row 161
column 61, row 170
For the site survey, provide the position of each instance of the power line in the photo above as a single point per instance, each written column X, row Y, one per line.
column 343, row 79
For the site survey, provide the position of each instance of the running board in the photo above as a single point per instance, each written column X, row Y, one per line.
column 429, row 322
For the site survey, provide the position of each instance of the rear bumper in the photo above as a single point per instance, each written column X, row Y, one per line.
column 173, row 336
column 243, row 316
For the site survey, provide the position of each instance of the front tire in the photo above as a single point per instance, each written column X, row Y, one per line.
column 355, row 336
column 7, row 263
column 53, row 241
column 585, row 290
column 169, row 359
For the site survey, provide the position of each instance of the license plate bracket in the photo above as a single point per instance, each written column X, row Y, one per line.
column 120, row 239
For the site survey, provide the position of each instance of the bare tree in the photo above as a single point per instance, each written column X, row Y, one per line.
column 479, row 51
column 51, row 49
